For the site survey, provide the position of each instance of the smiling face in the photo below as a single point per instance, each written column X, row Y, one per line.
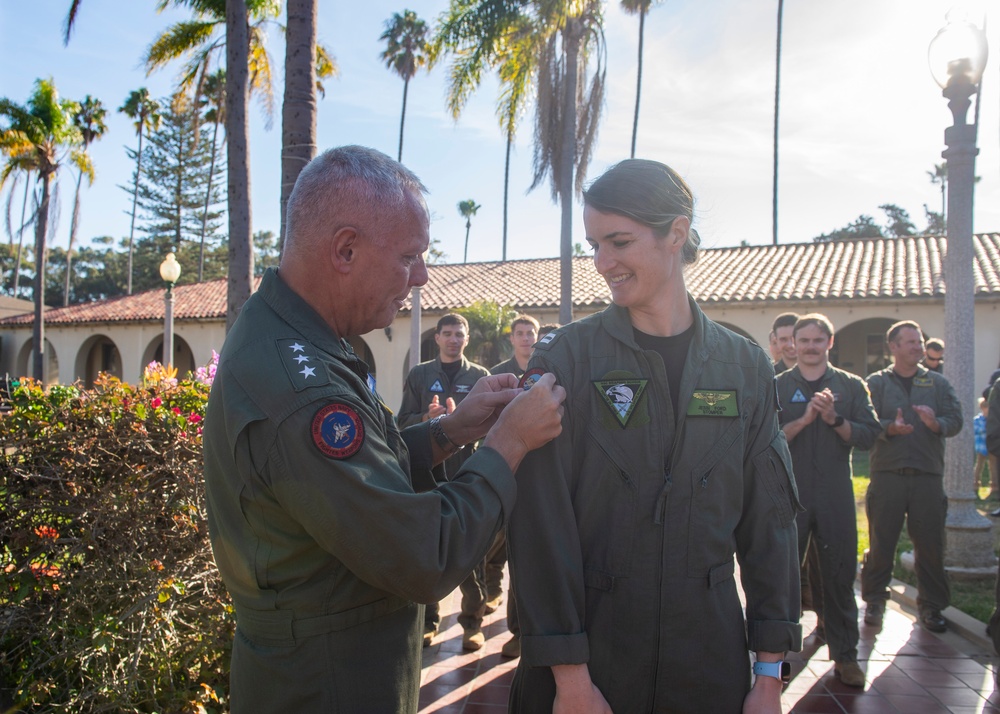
column 812, row 346
column 642, row 269
column 907, row 349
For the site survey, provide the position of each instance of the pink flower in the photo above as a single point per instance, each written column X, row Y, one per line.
column 156, row 402
column 194, row 418
column 176, row 410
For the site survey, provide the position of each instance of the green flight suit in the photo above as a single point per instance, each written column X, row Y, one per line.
column 993, row 447
column 907, row 481
column 424, row 382
column 623, row 537
column 317, row 530
column 822, row 464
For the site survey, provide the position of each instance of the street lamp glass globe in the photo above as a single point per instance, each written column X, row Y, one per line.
column 170, row 269
column 958, row 53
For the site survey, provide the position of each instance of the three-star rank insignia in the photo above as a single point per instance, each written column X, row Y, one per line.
column 337, row 431
column 302, row 364
column 621, row 392
column 713, row 402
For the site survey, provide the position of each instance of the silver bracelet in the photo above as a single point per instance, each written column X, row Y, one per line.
column 441, row 439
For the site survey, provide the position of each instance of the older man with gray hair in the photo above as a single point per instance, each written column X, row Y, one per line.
column 326, row 524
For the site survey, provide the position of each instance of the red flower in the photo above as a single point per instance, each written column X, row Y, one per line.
column 46, row 532
column 194, row 418
column 156, row 402
column 176, row 410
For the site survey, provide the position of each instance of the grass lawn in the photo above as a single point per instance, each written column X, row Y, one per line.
column 975, row 598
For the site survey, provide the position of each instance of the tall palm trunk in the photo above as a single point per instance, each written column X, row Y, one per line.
column 208, row 196
column 572, row 38
column 468, row 225
column 135, row 199
column 38, row 330
column 506, row 190
column 638, row 79
column 402, row 118
column 777, row 91
column 20, row 234
column 73, row 224
column 237, row 143
column 298, row 111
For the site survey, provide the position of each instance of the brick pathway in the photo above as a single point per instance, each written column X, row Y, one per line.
column 909, row 671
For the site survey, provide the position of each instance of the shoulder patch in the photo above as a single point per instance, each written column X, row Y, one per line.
column 337, row 431
column 302, row 364
column 530, row 377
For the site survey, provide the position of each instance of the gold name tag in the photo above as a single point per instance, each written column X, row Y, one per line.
column 713, row 403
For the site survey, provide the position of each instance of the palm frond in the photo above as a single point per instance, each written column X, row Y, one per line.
column 84, row 164
column 178, row 40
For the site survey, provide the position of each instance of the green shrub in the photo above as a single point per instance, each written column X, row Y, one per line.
column 109, row 597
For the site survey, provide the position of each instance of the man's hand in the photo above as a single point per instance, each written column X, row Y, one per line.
column 899, row 427
column 532, row 419
column 823, row 403
column 575, row 692
column 471, row 419
column 928, row 417
column 435, row 408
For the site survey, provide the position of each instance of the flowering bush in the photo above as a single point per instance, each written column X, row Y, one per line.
column 109, row 597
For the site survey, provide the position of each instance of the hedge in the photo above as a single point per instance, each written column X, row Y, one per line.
column 110, row 600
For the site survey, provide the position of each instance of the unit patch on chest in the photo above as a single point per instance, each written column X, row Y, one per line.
column 337, row 431
column 436, row 387
column 798, row 397
column 622, row 393
column 714, row 403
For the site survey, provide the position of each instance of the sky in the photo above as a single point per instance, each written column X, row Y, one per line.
column 861, row 120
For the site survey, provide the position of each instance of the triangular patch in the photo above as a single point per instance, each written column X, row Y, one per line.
column 436, row 387
column 621, row 396
column 798, row 397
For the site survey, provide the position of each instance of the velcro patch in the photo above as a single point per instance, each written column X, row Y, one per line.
column 338, row 431
column 530, row 377
column 621, row 392
column 923, row 382
column 714, row 402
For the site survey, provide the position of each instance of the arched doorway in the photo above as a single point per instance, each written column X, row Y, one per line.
column 860, row 346
column 97, row 354
column 183, row 356
column 26, row 358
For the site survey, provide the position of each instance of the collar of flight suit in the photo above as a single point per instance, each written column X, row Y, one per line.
column 617, row 322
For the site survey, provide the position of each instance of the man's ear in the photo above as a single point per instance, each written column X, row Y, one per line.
column 343, row 250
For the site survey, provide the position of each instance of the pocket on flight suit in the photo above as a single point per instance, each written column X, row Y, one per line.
column 774, row 469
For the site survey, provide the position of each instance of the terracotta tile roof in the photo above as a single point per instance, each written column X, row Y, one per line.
column 861, row 269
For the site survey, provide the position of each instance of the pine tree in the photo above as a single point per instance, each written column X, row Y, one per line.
column 176, row 166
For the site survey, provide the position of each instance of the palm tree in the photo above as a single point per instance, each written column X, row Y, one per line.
column 90, row 121
column 298, row 108
column 68, row 23
column 201, row 42
column 560, row 37
column 215, row 95
column 777, row 92
column 240, row 282
column 17, row 167
column 406, row 51
column 146, row 112
column 467, row 209
column 639, row 7
column 940, row 175
column 41, row 134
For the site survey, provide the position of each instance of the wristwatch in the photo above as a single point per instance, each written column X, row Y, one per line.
column 838, row 421
column 778, row 670
column 446, row 445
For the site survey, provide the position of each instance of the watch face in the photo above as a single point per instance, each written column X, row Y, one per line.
column 786, row 672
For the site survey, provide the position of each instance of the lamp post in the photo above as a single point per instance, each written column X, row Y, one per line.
column 170, row 270
column 957, row 56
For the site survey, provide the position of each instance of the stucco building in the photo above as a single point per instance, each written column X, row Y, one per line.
column 863, row 286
